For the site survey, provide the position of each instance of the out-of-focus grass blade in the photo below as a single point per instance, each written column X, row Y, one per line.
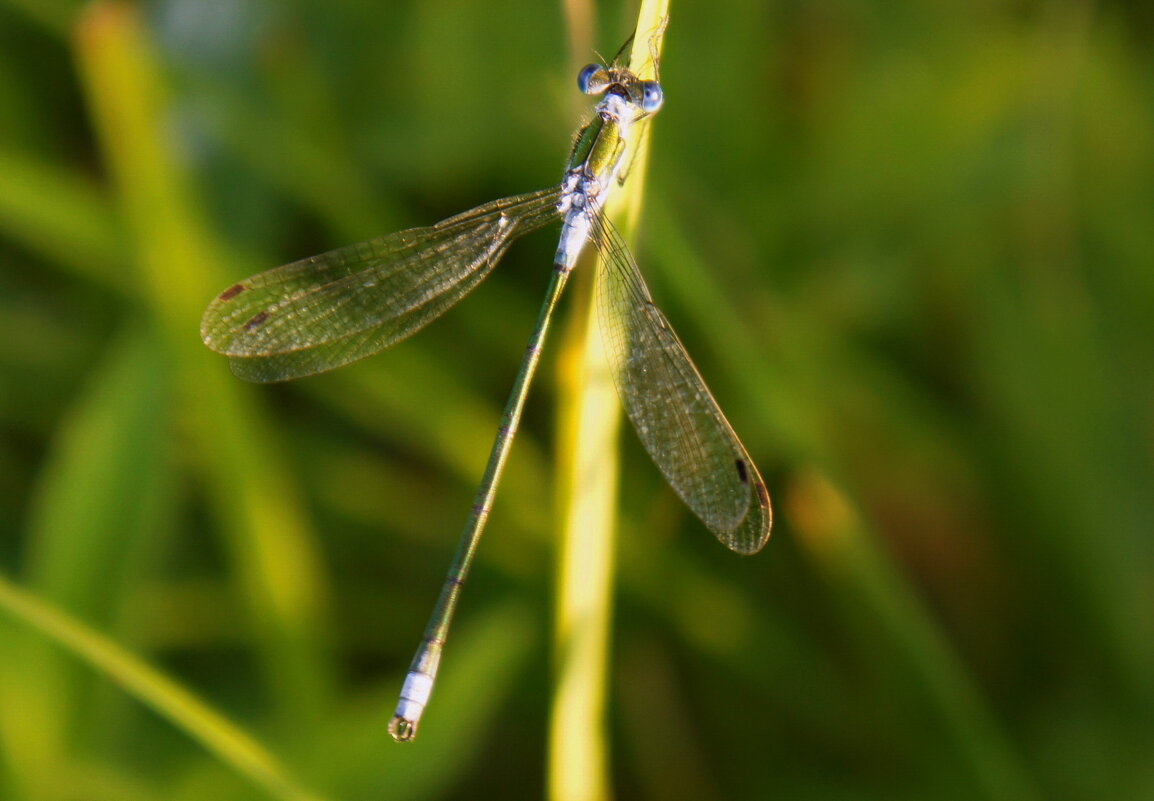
column 1048, row 380
column 167, row 697
column 178, row 267
column 52, row 15
column 836, row 538
column 102, row 487
column 1050, row 371
column 321, row 169
column 58, row 215
column 854, row 561
column 434, row 412
column 102, row 501
column 758, row 367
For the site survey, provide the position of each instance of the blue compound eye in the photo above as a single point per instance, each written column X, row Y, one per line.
column 651, row 96
column 592, row 79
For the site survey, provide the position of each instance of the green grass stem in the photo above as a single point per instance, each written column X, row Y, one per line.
column 589, row 423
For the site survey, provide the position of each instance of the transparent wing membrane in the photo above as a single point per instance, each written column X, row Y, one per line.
column 672, row 410
column 329, row 310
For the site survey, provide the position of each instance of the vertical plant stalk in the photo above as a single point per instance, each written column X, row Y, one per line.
column 590, row 415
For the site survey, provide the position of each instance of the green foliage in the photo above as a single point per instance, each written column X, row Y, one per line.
column 909, row 246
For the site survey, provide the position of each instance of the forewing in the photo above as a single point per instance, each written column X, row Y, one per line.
column 672, row 410
column 328, row 310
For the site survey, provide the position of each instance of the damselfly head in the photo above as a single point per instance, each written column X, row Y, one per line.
column 596, row 79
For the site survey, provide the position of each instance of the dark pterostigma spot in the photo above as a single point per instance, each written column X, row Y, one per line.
column 742, row 473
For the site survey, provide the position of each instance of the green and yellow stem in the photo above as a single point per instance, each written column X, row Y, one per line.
column 589, row 420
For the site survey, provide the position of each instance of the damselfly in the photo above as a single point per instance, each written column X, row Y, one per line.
column 328, row 310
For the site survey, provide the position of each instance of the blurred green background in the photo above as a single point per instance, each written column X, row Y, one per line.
column 909, row 244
